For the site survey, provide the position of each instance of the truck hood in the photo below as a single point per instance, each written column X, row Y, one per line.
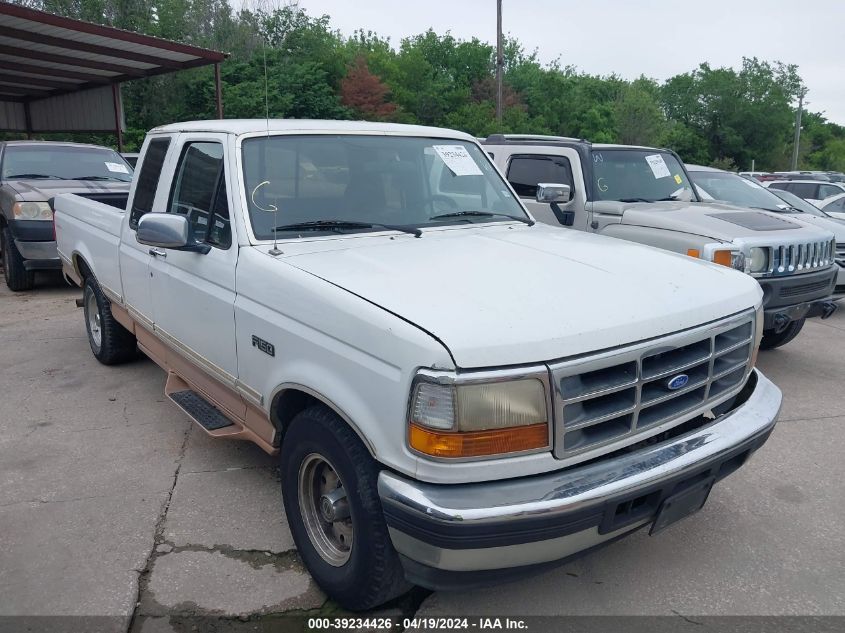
column 40, row 190
column 510, row 295
column 716, row 221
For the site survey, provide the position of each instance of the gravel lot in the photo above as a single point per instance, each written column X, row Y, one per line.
column 113, row 503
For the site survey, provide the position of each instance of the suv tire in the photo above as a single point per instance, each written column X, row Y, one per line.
column 17, row 277
column 771, row 340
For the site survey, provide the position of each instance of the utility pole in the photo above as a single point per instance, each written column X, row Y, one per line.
column 797, row 141
column 500, row 61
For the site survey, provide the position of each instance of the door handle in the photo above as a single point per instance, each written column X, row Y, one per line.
column 157, row 252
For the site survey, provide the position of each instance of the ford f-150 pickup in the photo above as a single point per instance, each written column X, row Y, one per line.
column 456, row 393
column 644, row 195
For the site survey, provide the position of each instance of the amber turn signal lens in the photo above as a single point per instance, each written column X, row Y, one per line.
column 693, row 252
column 723, row 258
column 479, row 443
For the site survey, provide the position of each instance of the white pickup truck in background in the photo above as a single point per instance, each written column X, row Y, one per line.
column 457, row 394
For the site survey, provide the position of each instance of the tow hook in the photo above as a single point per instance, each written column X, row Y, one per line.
column 828, row 308
column 780, row 322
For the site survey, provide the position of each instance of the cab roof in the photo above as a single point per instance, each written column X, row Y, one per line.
column 247, row 126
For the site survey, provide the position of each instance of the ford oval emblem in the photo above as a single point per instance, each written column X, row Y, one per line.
column 677, row 382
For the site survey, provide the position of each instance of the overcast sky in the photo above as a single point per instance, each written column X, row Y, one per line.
column 657, row 38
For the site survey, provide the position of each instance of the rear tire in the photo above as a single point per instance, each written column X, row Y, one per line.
column 17, row 277
column 111, row 343
column 771, row 340
column 352, row 559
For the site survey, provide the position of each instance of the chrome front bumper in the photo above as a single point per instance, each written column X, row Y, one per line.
column 472, row 534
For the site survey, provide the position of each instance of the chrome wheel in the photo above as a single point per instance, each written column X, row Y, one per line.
column 325, row 509
column 92, row 313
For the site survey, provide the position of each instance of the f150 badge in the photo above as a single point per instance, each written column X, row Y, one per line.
column 264, row 346
column 676, row 382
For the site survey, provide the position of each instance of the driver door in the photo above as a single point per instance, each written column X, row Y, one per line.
column 193, row 295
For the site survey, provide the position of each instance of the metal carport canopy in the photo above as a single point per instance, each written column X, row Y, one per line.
column 58, row 74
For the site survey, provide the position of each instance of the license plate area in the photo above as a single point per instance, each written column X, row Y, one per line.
column 681, row 505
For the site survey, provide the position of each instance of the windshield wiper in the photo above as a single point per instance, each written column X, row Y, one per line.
column 337, row 225
column 481, row 214
column 33, row 176
column 96, row 178
column 635, row 200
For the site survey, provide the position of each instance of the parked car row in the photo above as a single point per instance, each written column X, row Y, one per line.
column 645, row 195
column 823, row 176
column 475, row 359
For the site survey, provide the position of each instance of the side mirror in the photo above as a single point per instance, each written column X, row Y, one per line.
column 168, row 230
column 550, row 192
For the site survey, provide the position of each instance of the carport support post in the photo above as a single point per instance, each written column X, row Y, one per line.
column 118, row 108
column 218, row 95
column 27, row 117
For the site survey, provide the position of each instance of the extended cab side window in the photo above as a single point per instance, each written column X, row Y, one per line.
column 525, row 172
column 199, row 193
column 145, row 190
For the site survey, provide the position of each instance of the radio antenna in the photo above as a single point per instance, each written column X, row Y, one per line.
column 275, row 250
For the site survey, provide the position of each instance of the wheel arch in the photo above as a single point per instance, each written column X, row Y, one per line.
column 81, row 267
column 289, row 399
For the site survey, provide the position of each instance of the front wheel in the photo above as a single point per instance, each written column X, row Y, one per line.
column 332, row 505
column 772, row 339
column 17, row 276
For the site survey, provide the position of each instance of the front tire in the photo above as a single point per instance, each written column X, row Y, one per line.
column 334, row 511
column 17, row 277
column 771, row 340
column 110, row 342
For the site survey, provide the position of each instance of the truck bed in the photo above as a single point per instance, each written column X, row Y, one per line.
column 90, row 230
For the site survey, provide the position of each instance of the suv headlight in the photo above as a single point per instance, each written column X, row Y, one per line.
column 449, row 418
column 32, row 211
column 758, row 262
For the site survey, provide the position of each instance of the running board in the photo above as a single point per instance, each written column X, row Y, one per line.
column 200, row 410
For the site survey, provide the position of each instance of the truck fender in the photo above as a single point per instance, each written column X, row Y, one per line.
column 289, row 398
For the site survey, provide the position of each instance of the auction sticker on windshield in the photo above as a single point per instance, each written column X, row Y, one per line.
column 658, row 166
column 117, row 168
column 457, row 159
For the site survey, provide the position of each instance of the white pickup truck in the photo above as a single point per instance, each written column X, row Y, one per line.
column 458, row 394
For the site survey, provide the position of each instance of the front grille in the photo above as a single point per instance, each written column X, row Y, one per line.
column 793, row 291
column 623, row 396
column 840, row 255
column 800, row 258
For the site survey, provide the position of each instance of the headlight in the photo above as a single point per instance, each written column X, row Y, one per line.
column 733, row 259
column 758, row 262
column 32, row 211
column 478, row 418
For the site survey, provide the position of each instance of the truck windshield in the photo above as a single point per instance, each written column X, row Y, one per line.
column 356, row 183
column 63, row 162
column 726, row 187
column 633, row 175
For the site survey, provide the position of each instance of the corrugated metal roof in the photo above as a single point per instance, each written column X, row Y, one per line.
column 44, row 55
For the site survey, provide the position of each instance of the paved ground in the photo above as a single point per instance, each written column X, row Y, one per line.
column 111, row 503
